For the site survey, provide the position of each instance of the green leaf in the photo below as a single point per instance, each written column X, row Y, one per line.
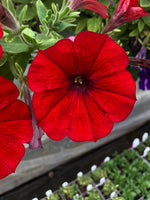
column 22, row 14
column 3, row 60
column 81, row 25
column 146, row 20
column 10, row 6
column 63, row 25
column 16, row 46
column 30, row 13
column 93, row 24
column 6, row 72
column 145, row 3
column 48, row 43
column 41, row 11
column 141, row 25
column 133, row 33
column 22, row 59
column 29, row 36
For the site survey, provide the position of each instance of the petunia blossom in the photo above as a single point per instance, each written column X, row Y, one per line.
column 81, row 87
column 126, row 11
column 1, row 35
column 93, row 5
column 15, row 127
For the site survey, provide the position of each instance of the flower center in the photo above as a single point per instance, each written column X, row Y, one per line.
column 78, row 80
column 81, row 83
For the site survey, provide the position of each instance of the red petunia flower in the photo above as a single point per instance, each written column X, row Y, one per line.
column 93, row 5
column 15, row 127
column 1, row 35
column 81, row 87
column 126, row 11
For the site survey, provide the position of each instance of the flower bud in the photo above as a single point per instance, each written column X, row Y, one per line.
column 7, row 19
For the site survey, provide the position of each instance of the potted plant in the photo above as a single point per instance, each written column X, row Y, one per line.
column 69, row 191
column 83, row 181
column 98, row 174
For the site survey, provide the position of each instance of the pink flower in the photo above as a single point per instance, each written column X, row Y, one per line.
column 80, row 89
column 127, row 10
column 93, row 5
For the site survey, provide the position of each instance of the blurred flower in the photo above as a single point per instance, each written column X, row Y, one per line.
column 81, row 87
column 7, row 19
column 93, row 5
column 144, row 75
column 1, row 35
column 127, row 10
column 15, row 127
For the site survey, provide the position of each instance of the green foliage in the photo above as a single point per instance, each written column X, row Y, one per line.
column 93, row 195
column 69, row 190
column 84, row 180
column 98, row 174
column 108, row 188
column 54, row 196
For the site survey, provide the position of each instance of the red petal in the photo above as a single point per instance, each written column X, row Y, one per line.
column 116, row 95
column 69, row 116
column 15, row 122
column 1, row 32
column 112, row 58
column 134, row 13
column 8, row 92
column 11, row 153
column 88, row 45
column 63, row 55
column 99, row 120
column 46, row 101
column 44, row 74
column 1, row 51
column 133, row 3
column 95, row 6
column 122, row 7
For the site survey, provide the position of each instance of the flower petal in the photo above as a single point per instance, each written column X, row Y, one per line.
column 112, row 58
column 44, row 74
column 116, row 95
column 70, row 117
column 1, row 32
column 8, row 92
column 11, row 153
column 133, row 13
column 88, row 46
column 63, row 55
column 46, row 101
column 1, row 51
column 95, row 6
column 16, row 124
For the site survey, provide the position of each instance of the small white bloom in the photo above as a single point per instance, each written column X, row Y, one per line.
column 80, row 174
column 64, row 184
column 93, row 168
column 102, row 181
column 147, row 149
column 144, row 137
column 89, row 187
column 35, row 199
column 112, row 195
column 107, row 159
column 135, row 143
column 48, row 193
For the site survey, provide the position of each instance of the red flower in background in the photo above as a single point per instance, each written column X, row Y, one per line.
column 126, row 11
column 1, row 35
column 93, row 5
column 15, row 127
column 81, row 87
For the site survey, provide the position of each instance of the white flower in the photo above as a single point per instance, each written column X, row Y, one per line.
column 64, row 184
column 93, row 168
column 80, row 174
column 144, row 137
column 135, row 143
column 107, row 159
column 89, row 187
column 48, row 193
